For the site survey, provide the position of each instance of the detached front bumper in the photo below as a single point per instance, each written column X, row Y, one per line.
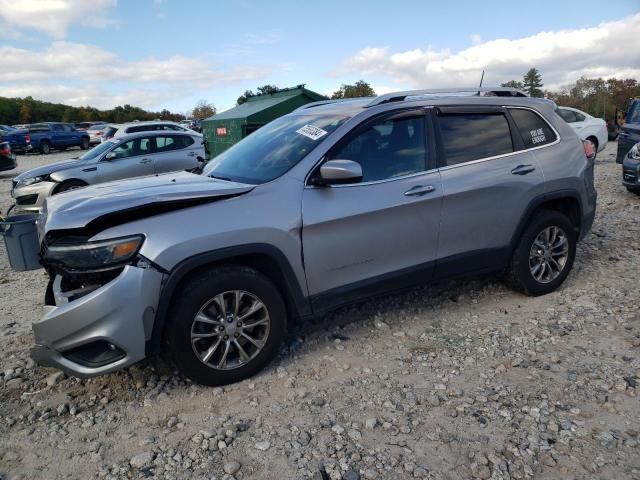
column 103, row 331
column 32, row 197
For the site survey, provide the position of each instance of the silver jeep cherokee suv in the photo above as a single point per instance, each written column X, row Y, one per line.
column 331, row 204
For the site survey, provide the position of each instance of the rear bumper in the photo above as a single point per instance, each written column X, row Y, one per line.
column 119, row 314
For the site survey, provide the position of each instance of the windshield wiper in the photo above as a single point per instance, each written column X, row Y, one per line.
column 221, row 178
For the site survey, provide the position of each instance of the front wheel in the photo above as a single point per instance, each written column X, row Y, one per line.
column 84, row 144
column 635, row 190
column 544, row 255
column 69, row 185
column 225, row 325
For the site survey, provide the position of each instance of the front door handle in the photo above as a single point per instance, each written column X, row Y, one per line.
column 419, row 190
column 623, row 134
column 145, row 160
column 523, row 169
column 192, row 154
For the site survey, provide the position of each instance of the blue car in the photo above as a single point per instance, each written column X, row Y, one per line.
column 18, row 139
column 629, row 132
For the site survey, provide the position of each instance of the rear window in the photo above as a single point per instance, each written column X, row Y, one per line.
column 110, row 132
column 473, row 136
column 534, row 130
column 140, row 128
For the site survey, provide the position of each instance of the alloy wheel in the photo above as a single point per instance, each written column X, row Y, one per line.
column 549, row 254
column 230, row 330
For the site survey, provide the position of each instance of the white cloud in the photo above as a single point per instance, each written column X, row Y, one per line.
column 80, row 62
column 55, row 16
column 79, row 74
column 607, row 50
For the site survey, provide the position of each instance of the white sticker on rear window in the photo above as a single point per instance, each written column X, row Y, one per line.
column 314, row 133
column 537, row 136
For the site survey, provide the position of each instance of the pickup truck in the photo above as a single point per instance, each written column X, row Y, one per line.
column 629, row 133
column 60, row 136
column 18, row 139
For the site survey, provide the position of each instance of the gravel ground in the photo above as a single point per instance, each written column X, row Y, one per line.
column 454, row 381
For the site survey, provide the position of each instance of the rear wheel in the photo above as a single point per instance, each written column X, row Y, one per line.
column 225, row 325
column 544, row 255
column 634, row 190
column 45, row 148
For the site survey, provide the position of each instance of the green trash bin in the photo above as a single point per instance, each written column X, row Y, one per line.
column 21, row 239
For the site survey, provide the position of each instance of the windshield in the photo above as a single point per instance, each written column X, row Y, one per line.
column 272, row 150
column 97, row 150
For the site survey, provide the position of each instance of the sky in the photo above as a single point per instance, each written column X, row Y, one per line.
column 169, row 54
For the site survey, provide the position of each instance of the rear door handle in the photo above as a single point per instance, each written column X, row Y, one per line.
column 145, row 160
column 419, row 190
column 523, row 169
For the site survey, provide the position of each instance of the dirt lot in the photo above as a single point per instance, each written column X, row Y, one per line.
column 456, row 381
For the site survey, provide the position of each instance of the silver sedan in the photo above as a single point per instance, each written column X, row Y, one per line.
column 134, row 155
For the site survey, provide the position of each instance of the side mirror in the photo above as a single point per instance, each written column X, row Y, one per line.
column 110, row 156
column 337, row 172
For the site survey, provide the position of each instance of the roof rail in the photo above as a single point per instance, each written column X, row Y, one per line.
column 400, row 96
column 327, row 102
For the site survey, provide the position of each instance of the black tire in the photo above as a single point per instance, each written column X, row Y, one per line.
column 45, row 148
column 634, row 190
column 519, row 275
column 199, row 291
column 84, row 144
column 69, row 185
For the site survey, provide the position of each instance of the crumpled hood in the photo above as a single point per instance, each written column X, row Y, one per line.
column 77, row 208
column 51, row 168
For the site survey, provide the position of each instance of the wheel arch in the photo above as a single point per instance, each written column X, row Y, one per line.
column 564, row 201
column 264, row 258
column 64, row 181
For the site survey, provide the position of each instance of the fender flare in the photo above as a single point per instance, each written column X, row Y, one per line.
column 294, row 296
column 536, row 203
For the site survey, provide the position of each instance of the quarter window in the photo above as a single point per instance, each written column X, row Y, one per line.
column 473, row 136
column 534, row 130
column 388, row 149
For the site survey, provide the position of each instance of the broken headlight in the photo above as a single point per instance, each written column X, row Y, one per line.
column 98, row 255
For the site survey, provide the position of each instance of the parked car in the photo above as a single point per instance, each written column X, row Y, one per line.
column 117, row 130
column 7, row 158
column 587, row 127
column 18, row 140
column 88, row 125
column 629, row 132
column 333, row 203
column 631, row 169
column 129, row 156
column 54, row 135
column 95, row 133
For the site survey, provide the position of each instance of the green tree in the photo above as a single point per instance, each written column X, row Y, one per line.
column 203, row 110
column 25, row 114
column 532, row 82
column 359, row 89
column 513, row 84
column 263, row 90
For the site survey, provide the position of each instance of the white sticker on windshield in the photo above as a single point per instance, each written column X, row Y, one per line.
column 314, row 133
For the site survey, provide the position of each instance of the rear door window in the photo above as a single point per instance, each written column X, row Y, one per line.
column 473, row 136
column 534, row 130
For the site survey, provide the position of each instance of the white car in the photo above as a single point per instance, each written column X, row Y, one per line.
column 118, row 130
column 586, row 126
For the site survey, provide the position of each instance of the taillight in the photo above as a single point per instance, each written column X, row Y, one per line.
column 98, row 134
column 5, row 150
column 589, row 149
column 27, row 138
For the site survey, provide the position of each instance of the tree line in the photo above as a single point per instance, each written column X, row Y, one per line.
column 28, row 110
column 596, row 96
